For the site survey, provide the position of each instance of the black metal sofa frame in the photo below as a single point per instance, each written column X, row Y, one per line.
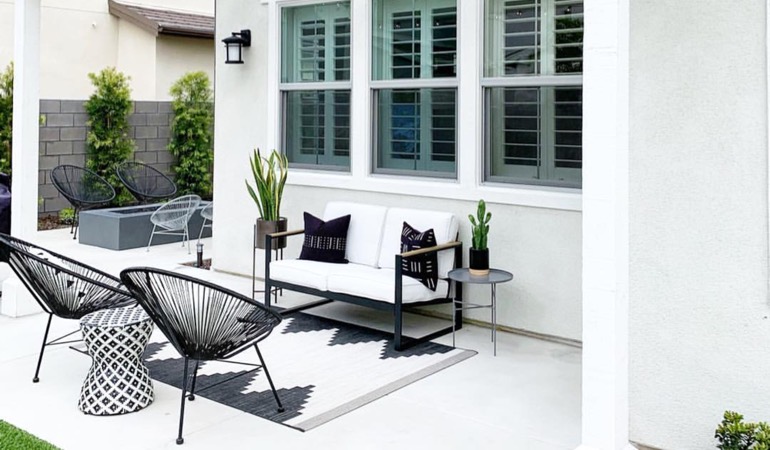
column 398, row 308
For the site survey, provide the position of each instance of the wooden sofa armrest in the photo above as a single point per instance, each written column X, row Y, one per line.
column 280, row 234
column 436, row 248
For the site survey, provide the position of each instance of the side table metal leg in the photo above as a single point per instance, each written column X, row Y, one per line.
column 454, row 311
column 494, row 319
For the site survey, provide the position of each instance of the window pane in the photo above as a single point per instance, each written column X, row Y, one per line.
column 414, row 39
column 533, row 37
column 317, row 130
column 534, row 134
column 315, row 43
column 416, row 130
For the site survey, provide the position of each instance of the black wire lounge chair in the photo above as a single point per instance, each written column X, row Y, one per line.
column 203, row 321
column 145, row 183
column 83, row 188
column 62, row 286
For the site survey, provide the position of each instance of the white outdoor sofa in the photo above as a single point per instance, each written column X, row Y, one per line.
column 373, row 275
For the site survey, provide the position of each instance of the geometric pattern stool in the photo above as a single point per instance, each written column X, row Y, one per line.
column 118, row 381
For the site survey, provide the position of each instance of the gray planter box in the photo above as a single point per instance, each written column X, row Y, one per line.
column 129, row 227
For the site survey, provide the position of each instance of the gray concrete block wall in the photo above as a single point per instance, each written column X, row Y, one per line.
column 63, row 141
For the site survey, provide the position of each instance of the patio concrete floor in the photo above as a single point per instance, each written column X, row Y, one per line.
column 528, row 397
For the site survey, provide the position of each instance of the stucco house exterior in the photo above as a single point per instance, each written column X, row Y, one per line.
column 621, row 146
column 82, row 36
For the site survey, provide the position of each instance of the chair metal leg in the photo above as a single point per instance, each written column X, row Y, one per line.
column 191, row 397
column 203, row 225
column 151, row 235
column 42, row 349
column 179, row 439
column 269, row 380
column 76, row 223
column 186, row 238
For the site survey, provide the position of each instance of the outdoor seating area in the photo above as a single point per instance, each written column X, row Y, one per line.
column 480, row 398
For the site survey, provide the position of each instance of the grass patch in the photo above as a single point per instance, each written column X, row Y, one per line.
column 12, row 438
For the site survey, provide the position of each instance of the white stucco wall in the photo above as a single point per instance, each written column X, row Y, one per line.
column 176, row 56
column 542, row 246
column 136, row 49
column 699, row 328
column 81, row 36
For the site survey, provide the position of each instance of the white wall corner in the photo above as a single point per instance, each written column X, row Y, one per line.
column 16, row 300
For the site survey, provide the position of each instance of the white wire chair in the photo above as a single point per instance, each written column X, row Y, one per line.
column 208, row 216
column 173, row 217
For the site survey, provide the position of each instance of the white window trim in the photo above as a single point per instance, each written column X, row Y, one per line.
column 469, row 184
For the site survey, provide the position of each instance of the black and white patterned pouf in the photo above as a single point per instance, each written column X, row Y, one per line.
column 118, row 381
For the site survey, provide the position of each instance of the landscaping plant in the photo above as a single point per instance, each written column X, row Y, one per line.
column 6, row 118
column 480, row 226
column 269, row 178
column 15, row 438
column 191, row 137
column 735, row 434
column 108, row 142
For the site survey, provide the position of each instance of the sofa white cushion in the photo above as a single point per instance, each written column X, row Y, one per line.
column 444, row 225
column 312, row 274
column 379, row 284
column 364, row 232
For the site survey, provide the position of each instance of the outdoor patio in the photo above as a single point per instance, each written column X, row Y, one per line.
column 528, row 397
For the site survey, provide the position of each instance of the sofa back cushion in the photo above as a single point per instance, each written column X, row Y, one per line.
column 364, row 231
column 444, row 226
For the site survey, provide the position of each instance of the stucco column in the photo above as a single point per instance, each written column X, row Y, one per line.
column 26, row 113
column 605, row 225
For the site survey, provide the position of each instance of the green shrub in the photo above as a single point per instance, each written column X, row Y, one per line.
column 6, row 118
column 735, row 434
column 191, row 136
column 67, row 216
column 108, row 109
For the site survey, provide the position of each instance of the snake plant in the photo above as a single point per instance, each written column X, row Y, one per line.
column 269, row 179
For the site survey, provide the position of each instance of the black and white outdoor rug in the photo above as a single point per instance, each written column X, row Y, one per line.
column 322, row 369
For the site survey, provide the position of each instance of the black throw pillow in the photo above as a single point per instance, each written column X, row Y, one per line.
column 421, row 267
column 325, row 241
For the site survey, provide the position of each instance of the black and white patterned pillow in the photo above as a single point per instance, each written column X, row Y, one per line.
column 325, row 241
column 421, row 267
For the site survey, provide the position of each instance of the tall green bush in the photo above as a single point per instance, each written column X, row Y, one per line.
column 735, row 434
column 191, row 137
column 6, row 118
column 108, row 142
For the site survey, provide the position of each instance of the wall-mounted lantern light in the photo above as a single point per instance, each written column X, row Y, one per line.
column 234, row 46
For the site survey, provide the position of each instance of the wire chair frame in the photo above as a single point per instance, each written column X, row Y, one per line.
column 207, row 213
column 203, row 321
column 145, row 182
column 173, row 218
column 61, row 286
column 83, row 188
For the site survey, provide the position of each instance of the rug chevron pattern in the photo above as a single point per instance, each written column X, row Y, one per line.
column 322, row 369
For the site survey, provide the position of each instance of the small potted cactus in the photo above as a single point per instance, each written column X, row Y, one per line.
column 479, row 253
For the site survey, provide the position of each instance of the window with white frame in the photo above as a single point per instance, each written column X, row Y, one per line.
column 533, row 94
column 315, row 85
column 414, row 86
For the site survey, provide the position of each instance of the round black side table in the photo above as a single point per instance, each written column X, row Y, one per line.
column 494, row 277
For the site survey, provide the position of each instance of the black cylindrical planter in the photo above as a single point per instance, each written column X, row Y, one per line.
column 268, row 227
column 478, row 261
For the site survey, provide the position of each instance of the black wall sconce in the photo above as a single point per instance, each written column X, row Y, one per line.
column 234, row 46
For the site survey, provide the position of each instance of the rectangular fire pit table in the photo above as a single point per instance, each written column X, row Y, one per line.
column 129, row 227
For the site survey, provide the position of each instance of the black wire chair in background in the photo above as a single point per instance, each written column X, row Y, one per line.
column 83, row 188
column 146, row 183
column 203, row 321
column 62, row 286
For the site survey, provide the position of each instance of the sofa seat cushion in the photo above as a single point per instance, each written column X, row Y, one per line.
column 379, row 284
column 312, row 274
